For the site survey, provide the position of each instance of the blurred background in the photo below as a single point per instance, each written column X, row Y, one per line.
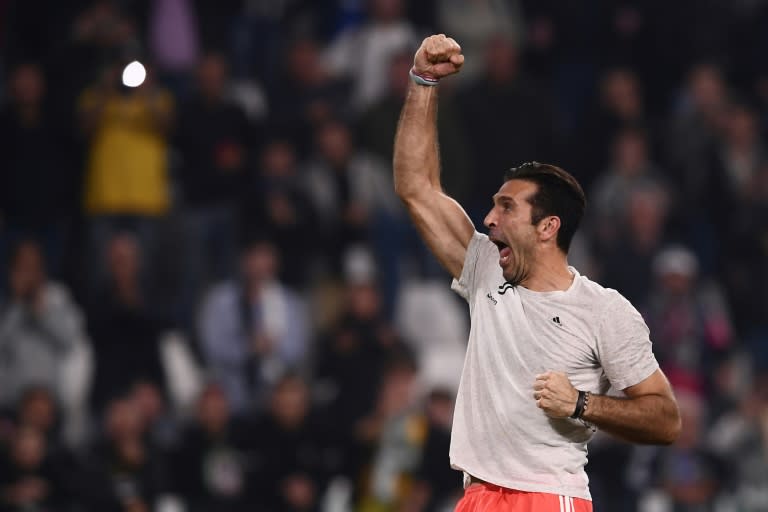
column 212, row 300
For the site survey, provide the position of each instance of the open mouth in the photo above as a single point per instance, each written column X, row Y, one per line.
column 505, row 252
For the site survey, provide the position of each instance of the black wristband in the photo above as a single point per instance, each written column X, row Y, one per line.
column 579, row 405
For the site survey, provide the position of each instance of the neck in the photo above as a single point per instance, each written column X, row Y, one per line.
column 29, row 114
column 127, row 290
column 549, row 274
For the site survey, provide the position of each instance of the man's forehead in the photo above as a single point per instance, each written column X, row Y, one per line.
column 516, row 189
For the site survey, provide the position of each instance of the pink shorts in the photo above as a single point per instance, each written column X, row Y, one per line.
column 483, row 497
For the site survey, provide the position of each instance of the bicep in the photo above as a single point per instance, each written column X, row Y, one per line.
column 654, row 384
column 444, row 226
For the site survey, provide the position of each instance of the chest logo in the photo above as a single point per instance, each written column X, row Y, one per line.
column 557, row 320
column 490, row 297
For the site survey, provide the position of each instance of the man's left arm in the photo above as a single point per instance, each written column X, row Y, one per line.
column 648, row 413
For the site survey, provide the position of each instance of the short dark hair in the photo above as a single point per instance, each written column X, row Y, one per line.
column 558, row 194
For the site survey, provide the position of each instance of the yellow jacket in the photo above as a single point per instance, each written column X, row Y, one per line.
column 127, row 157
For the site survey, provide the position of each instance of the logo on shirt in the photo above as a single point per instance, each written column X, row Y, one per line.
column 490, row 297
column 503, row 288
column 557, row 320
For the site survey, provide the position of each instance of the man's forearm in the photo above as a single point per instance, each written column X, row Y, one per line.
column 416, row 162
column 649, row 419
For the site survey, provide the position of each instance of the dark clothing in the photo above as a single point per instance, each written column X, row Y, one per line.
column 694, row 476
column 351, row 362
column 293, row 234
column 293, row 107
column 208, row 134
column 745, row 275
column 435, row 470
column 114, row 481
column 211, row 472
column 304, row 451
column 56, row 477
column 126, row 345
column 628, row 268
column 592, row 145
column 32, row 173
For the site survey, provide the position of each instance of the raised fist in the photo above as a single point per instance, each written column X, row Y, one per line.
column 438, row 56
column 555, row 394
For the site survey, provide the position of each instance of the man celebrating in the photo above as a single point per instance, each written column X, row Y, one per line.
column 546, row 343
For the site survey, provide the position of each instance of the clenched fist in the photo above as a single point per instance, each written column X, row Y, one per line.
column 555, row 394
column 438, row 56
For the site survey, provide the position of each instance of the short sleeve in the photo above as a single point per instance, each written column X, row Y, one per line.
column 477, row 250
column 624, row 344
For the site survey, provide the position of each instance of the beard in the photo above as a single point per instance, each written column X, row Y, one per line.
column 518, row 268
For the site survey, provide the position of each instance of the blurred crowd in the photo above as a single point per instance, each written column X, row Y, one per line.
column 212, row 300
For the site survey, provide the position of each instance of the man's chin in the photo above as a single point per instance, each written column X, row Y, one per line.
column 513, row 277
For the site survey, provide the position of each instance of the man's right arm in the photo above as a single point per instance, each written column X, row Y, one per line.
column 440, row 220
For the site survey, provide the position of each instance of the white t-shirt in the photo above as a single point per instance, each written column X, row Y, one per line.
column 591, row 333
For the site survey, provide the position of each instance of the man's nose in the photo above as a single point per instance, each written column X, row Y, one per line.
column 490, row 220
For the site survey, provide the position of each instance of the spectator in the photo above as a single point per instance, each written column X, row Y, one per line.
column 630, row 168
column 213, row 140
column 620, row 104
column 276, row 203
column 42, row 335
column 35, row 169
column 162, row 427
column 689, row 319
column 612, row 466
column 212, row 465
column 352, row 193
column 688, row 471
column 643, row 232
column 173, row 36
column 253, row 328
column 735, row 166
column 475, row 24
column 392, row 436
column 127, row 475
column 126, row 184
column 739, row 438
column 297, row 453
column 743, row 274
column 124, row 327
column 306, row 94
column 98, row 31
column 37, row 410
column 29, row 478
column 694, row 127
column 352, row 355
column 369, row 48
column 437, row 485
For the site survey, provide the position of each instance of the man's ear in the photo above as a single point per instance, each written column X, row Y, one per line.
column 548, row 228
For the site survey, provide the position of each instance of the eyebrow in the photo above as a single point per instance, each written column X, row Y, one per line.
column 497, row 198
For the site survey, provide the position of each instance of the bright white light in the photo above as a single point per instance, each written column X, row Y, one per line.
column 134, row 74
